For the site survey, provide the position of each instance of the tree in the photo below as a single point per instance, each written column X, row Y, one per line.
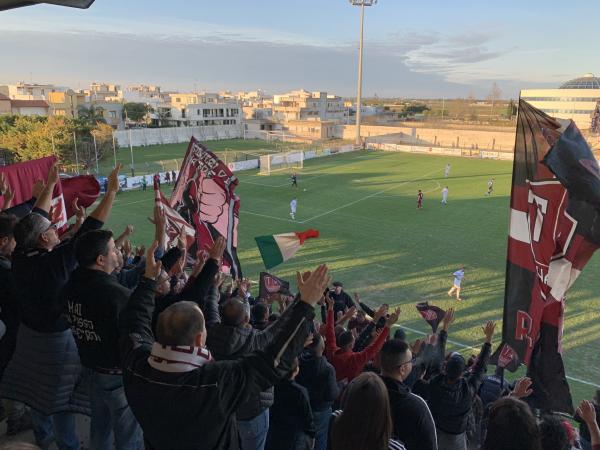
column 494, row 95
column 136, row 112
column 91, row 115
column 511, row 109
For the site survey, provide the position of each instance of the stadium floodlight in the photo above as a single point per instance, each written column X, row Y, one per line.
column 10, row 4
column 362, row 4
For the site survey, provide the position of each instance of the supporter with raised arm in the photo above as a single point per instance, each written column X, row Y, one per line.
column 589, row 414
column 349, row 364
column 95, row 300
column 230, row 339
column 46, row 369
column 584, row 432
column 413, row 422
column 181, row 398
column 450, row 394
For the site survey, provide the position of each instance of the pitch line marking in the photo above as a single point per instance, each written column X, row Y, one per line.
column 369, row 196
column 470, row 347
column 268, row 217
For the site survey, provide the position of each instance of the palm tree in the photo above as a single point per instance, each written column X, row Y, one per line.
column 91, row 115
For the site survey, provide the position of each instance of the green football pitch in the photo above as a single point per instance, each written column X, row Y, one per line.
column 376, row 241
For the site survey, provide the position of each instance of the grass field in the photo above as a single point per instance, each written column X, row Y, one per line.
column 153, row 158
column 375, row 240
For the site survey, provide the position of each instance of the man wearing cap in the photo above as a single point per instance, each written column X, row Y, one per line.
column 341, row 301
column 450, row 394
column 45, row 368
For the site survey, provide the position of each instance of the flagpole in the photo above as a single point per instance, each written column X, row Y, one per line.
column 76, row 156
column 96, row 152
column 114, row 150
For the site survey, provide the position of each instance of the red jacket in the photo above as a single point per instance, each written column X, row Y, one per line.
column 349, row 365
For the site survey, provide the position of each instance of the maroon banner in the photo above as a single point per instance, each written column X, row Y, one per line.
column 550, row 241
column 22, row 176
column 204, row 195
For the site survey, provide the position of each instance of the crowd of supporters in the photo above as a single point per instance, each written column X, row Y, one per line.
column 164, row 358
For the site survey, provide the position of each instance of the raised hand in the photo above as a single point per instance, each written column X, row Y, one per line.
column 587, row 412
column 113, row 180
column 448, row 319
column 37, row 189
column 9, row 196
column 488, row 331
column 160, row 219
column 216, row 251
column 140, row 251
column 522, row 388
column 79, row 211
column 393, row 318
column 3, row 184
column 381, row 311
column 328, row 299
column 53, row 175
column 357, row 297
column 128, row 230
column 153, row 267
column 311, row 287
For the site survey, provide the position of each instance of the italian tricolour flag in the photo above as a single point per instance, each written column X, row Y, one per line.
column 278, row 248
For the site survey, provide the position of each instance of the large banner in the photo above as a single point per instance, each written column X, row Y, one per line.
column 204, row 195
column 21, row 178
column 553, row 233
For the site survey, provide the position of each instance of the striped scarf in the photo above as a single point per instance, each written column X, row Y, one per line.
column 178, row 359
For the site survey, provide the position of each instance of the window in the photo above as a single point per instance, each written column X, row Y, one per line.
column 178, row 99
column 112, row 114
column 198, row 113
column 206, row 112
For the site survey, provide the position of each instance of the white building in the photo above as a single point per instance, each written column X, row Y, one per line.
column 30, row 91
column 576, row 99
column 304, row 105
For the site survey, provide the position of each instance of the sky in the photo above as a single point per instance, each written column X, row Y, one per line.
column 416, row 49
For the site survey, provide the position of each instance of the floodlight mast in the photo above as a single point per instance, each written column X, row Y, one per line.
column 362, row 4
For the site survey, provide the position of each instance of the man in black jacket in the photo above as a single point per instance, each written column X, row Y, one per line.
column 232, row 338
column 41, row 266
column 95, row 299
column 181, row 398
column 450, row 395
column 318, row 377
column 413, row 423
column 17, row 419
column 341, row 300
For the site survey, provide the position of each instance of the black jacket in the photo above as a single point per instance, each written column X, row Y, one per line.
column 291, row 425
column 40, row 276
column 450, row 404
column 413, row 422
column 94, row 302
column 228, row 343
column 341, row 302
column 318, row 377
column 196, row 410
column 9, row 312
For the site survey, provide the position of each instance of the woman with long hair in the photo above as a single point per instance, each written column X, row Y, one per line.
column 365, row 421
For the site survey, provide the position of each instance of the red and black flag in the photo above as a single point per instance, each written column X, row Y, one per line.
column 432, row 314
column 270, row 287
column 552, row 235
column 204, row 195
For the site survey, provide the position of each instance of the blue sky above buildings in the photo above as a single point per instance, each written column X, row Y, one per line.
column 429, row 48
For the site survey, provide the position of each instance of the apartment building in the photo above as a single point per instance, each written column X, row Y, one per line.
column 304, row 105
column 65, row 103
column 29, row 91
